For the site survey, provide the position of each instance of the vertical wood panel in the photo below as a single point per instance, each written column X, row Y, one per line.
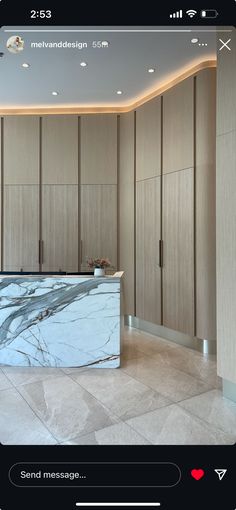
column 226, row 80
column 21, row 150
column 178, row 235
column 148, row 140
column 99, row 149
column 99, row 223
column 21, row 228
column 226, row 259
column 148, row 273
column 60, row 227
column 60, row 149
column 126, row 209
column 205, row 204
column 178, row 127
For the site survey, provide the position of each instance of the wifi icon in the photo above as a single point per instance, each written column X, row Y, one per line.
column 191, row 13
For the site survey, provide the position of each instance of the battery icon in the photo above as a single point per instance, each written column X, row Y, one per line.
column 209, row 13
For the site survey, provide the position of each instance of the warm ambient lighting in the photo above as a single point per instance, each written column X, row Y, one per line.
column 83, row 64
column 25, row 65
column 72, row 109
column 54, row 93
column 119, row 92
column 151, row 70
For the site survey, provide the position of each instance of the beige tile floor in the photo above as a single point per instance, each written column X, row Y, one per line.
column 162, row 394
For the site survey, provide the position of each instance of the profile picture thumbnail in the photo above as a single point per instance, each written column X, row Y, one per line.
column 15, row 44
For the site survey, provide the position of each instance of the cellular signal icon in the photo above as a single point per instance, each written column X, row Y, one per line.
column 177, row 14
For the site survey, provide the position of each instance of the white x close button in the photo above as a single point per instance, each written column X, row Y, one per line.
column 225, row 45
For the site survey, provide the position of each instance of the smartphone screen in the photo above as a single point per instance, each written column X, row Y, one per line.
column 117, row 257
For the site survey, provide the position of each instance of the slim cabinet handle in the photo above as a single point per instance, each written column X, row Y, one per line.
column 160, row 253
column 40, row 251
column 81, row 251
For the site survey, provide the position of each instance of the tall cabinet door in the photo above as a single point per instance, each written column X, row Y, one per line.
column 148, row 211
column 60, row 229
column 98, row 223
column 178, row 251
column 148, row 274
column 98, row 188
column 21, row 194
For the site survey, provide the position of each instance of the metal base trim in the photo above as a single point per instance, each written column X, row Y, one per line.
column 202, row 345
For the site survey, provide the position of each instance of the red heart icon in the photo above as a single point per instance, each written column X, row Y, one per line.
column 197, row 474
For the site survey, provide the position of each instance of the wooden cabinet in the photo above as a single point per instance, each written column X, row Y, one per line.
column 21, row 151
column 178, row 127
column 21, row 228
column 60, row 139
column 148, row 229
column 148, row 140
column 205, row 204
column 60, row 228
column 98, row 223
column 126, row 210
column 21, row 157
column 99, row 149
column 178, row 251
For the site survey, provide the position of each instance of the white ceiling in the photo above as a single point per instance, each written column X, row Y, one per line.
column 121, row 66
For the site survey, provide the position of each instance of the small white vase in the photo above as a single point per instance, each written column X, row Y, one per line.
column 99, row 271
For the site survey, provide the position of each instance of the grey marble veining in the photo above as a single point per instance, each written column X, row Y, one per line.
column 60, row 321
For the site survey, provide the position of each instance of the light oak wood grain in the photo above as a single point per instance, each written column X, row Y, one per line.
column 226, row 79
column 148, row 273
column 126, row 209
column 178, row 250
column 21, row 150
column 60, row 227
column 99, row 149
column 60, row 149
column 99, row 223
column 205, row 204
column 178, row 127
column 21, row 228
column 148, row 140
column 226, row 259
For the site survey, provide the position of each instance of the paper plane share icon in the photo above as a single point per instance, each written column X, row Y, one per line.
column 221, row 473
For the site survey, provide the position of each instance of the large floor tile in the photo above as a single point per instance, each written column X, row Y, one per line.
column 26, row 375
column 145, row 342
column 165, row 379
column 191, row 362
column 120, row 434
column 125, row 396
column 66, row 408
column 4, row 381
column 18, row 423
column 173, row 425
column 214, row 409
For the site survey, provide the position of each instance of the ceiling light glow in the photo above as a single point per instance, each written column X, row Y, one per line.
column 54, row 93
column 151, row 70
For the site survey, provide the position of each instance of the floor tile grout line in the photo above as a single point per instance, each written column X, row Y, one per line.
column 204, row 422
column 107, row 409
column 173, row 366
column 33, row 411
column 203, row 419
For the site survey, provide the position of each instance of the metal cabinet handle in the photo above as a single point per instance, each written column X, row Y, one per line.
column 81, row 251
column 42, row 251
column 160, row 253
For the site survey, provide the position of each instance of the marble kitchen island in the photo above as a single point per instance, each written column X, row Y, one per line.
column 60, row 320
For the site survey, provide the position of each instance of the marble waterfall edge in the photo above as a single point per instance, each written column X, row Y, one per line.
column 60, row 322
